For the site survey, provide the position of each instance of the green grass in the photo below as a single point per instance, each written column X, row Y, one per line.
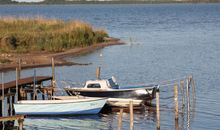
column 25, row 35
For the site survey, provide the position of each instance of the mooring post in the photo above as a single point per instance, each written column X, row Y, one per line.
column 20, row 123
column 188, row 95
column 34, row 87
column 19, row 68
column 176, row 124
column 120, row 119
column 98, row 71
column 3, row 95
column 158, row 109
column 53, row 76
column 131, row 115
column 176, row 101
column 16, row 95
column 3, row 99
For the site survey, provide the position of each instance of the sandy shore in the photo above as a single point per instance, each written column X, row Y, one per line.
column 43, row 59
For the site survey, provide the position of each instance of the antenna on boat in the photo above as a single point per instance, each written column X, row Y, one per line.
column 98, row 71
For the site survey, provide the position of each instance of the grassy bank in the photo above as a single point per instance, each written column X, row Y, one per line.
column 24, row 35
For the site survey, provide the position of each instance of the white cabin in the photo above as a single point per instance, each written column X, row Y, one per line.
column 102, row 84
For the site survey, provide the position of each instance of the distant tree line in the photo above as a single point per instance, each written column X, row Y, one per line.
column 108, row 2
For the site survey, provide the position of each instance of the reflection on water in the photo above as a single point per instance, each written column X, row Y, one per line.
column 165, row 41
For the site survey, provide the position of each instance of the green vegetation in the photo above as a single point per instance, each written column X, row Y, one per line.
column 39, row 34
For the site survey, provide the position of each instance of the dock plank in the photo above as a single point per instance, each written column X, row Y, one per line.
column 25, row 81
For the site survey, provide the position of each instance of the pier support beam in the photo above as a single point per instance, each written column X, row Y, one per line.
column 120, row 119
column 98, row 71
column 131, row 115
column 176, row 101
column 158, row 109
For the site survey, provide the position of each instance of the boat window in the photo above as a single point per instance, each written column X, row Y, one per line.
column 113, row 84
column 93, row 86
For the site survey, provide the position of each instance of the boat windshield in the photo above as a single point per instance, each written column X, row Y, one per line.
column 113, row 84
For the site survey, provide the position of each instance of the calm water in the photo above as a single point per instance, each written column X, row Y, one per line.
column 164, row 41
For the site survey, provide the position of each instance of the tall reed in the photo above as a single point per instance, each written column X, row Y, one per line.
column 41, row 34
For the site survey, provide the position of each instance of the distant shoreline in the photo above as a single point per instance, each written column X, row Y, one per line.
column 37, row 60
column 110, row 2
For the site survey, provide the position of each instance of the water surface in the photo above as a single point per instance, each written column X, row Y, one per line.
column 164, row 41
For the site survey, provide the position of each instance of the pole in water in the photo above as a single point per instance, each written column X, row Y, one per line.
column 131, row 115
column 3, row 99
column 53, row 72
column 19, row 68
column 3, row 95
column 98, row 71
column 176, row 101
column 158, row 109
column 120, row 119
column 16, row 95
column 34, row 87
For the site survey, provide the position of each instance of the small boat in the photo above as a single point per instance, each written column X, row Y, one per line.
column 60, row 107
column 110, row 89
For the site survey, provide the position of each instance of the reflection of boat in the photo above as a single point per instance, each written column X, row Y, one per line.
column 60, row 107
column 121, row 102
column 109, row 88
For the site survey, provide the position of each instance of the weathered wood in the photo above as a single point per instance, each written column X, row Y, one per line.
column 19, row 69
column 16, row 84
column 120, row 119
column 12, row 118
column 176, row 124
column 20, row 122
column 158, row 109
column 131, row 115
column 176, row 101
column 98, row 71
column 53, row 69
column 3, row 95
column 25, row 81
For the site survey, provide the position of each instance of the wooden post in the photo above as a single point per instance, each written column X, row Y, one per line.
column 176, row 101
column 53, row 72
column 120, row 119
column 34, row 87
column 19, row 69
column 131, row 115
column 176, row 124
column 158, row 109
column 3, row 95
column 20, row 122
column 98, row 71
column 16, row 85
column 53, row 75
column 187, row 95
column 9, row 105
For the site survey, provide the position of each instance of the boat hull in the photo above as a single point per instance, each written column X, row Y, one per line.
column 138, row 94
column 59, row 107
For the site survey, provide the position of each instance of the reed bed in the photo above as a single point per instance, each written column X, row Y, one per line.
column 24, row 35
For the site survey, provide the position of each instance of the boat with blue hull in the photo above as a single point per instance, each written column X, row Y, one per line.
column 60, row 107
column 110, row 89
